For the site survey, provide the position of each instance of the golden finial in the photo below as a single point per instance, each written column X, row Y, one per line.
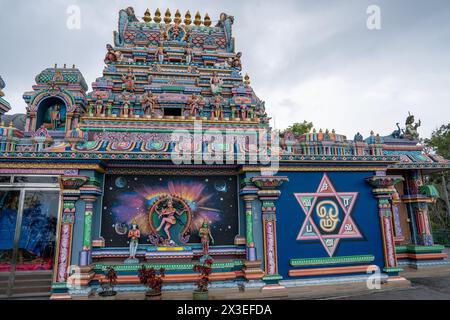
column 246, row 80
column 147, row 16
column 187, row 18
column 177, row 19
column 207, row 21
column 157, row 17
column 167, row 18
column 198, row 19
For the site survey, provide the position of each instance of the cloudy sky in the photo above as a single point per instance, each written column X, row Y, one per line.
column 309, row 60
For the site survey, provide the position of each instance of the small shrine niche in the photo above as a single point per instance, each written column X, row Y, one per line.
column 52, row 114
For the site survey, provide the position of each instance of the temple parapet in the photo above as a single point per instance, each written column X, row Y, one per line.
column 57, row 100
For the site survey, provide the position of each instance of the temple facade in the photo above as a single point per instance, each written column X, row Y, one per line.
column 172, row 139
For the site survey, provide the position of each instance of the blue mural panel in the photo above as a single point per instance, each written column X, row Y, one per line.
column 322, row 215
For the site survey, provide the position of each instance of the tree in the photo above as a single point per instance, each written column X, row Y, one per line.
column 439, row 142
column 300, row 128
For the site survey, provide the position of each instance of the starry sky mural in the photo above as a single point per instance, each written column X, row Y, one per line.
column 130, row 197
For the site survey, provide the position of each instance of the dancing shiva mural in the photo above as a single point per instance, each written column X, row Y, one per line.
column 89, row 189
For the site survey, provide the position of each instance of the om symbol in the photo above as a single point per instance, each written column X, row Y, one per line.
column 328, row 213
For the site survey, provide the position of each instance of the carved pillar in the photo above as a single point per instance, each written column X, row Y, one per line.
column 65, row 238
column 417, row 206
column 69, row 118
column 85, row 254
column 398, row 232
column 32, row 121
column 383, row 193
column 268, row 194
column 71, row 192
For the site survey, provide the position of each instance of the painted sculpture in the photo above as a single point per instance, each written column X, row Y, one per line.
column 129, row 80
column 149, row 103
column 206, row 237
column 216, row 84
column 133, row 235
column 168, row 218
column 411, row 127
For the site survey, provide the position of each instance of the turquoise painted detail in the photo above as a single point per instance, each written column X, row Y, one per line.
column 392, row 269
column 168, row 267
column 419, row 249
column 272, row 277
column 331, row 260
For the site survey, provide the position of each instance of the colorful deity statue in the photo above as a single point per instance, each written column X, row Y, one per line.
column 188, row 53
column 206, row 237
column 149, row 103
column 159, row 54
column 411, row 127
column 99, row 105
column 243, row 111
column 176, row 32
column 193, row 105
column 113, row 55
column 168, row 218
column 128, row 80
column 133, row 235
column 260, row 110
column 217, row 111
column 55, row 117
column 76, row 132
column 216, row 84
column 126, row 107
column 235, row 62
column 358, row 137
column 162, row 35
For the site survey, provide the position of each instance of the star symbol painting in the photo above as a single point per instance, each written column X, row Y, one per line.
column 328, row 215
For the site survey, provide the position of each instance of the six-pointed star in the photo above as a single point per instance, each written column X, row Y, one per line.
column 344, row 201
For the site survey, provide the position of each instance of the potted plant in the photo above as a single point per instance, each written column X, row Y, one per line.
column 153, row 281
column 108, row 284
column 201, row 293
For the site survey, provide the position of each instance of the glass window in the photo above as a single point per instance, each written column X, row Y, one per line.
column 5, row 179
column 9, row 206
column 35, row 179
column 38, row 230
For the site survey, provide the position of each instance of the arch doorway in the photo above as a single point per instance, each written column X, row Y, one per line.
column 52, row 114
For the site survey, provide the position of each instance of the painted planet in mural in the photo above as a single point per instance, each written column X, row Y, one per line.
column 220, row 186
column 121, row 228
column 121, row 182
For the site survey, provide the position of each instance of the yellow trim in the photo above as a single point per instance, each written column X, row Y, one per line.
column 50, row 166
column 311, row 168
column 166, row 120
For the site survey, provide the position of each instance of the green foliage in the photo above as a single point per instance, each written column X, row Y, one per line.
column 440, row 141
column 300, row 128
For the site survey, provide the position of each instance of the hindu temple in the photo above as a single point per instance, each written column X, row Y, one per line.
column 164, row 143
